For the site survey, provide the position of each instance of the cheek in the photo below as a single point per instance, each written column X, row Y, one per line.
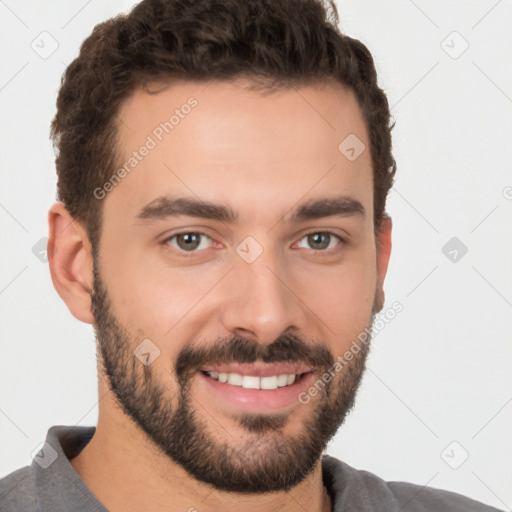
column 154, row 300
column 342, row 296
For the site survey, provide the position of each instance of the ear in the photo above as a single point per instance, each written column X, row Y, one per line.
column 70, row 259
column 383, row 254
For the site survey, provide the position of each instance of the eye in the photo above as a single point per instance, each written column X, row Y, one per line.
column 322, row 240
column 188, row 241
column 192, row 241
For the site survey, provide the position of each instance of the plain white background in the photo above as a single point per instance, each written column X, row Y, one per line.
column 438, row 388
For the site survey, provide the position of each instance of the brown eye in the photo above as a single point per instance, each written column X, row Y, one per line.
column 188, row 242
column 321, row 240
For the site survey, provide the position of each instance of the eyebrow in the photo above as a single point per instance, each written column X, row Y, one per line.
column 164, row 207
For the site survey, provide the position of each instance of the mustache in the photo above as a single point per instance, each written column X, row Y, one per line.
column 285, row 349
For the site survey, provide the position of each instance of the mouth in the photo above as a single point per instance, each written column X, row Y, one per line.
column 255, row 382
column 255, row 388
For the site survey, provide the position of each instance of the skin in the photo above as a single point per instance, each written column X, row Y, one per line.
column 261, row 155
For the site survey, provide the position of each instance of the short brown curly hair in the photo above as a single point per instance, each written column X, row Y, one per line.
column 281, row 43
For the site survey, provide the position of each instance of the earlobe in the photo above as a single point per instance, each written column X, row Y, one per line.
column 383, row 255
column 70, row 260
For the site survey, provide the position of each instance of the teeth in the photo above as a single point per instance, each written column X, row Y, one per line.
column 235, row 379
column 252, row 382
column 269, row 382
column 282, row 380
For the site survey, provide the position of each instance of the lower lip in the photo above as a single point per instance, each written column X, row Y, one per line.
column 256, row 400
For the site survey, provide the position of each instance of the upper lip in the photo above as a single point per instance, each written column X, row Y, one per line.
column 259, row 369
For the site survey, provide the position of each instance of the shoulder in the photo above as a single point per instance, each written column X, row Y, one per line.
column 419, row 498
column 355, row 489
column 17, row 491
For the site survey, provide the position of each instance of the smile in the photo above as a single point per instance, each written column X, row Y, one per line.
column 254, row 382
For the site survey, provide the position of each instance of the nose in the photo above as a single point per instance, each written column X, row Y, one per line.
column 260, row 303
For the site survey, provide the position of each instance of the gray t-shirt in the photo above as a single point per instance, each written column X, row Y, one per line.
column 50, row 484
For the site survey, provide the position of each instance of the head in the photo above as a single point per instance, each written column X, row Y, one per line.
column 223, row 168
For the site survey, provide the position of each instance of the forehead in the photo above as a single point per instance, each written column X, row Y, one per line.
column 223, row 142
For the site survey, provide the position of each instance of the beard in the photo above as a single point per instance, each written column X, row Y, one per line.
column 268, row 459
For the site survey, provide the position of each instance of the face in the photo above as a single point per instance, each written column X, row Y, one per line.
column 239, row 247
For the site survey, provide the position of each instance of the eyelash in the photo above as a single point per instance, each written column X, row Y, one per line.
column 188, row 254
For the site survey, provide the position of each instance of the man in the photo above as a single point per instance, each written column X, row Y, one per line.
column 223, row 171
